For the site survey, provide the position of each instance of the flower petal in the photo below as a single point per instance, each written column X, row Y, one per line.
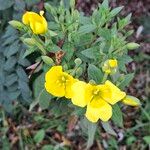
column 116, row 93
column 51, row 79
column 68, row 89
column 98, row 109
column 81, row 93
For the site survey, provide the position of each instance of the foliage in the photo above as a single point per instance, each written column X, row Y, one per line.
column 81, row 45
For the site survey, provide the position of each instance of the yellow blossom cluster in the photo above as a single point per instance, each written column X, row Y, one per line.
column 110, row 66
column 98, row 99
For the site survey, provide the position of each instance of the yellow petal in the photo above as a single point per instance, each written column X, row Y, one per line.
column 113, row 63
column 116, row 93
column 52, row 85
column 80, row 94
column 68, row 87
column 37, row 22
column 28, row 15
column 98, row 109
column 131, row 100
column 55, row 89
column 53, row 73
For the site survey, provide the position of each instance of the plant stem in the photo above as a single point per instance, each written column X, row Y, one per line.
column 104, row 77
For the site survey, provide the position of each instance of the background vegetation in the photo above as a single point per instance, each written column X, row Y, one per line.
column 23, row 129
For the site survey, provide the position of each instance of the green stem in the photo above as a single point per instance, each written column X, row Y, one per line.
column 39, row 44
column 104, row 77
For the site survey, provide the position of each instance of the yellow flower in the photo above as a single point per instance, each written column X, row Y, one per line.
column 59, row 83
column 37, row 22
column 98, row 99
column 131, row 100
column 110, row 66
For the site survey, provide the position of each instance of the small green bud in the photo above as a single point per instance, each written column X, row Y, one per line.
column 79, row 71
column 132, row 46
column 78, row 61
column 16, row 24
column 49, row 61
column 65, row 66
column 29, row 41
column 92, row 82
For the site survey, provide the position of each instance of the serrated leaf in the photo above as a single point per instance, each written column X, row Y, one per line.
column 94, row 73
column 117, row 115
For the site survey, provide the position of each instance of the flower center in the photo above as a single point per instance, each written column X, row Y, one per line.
column 96, row 92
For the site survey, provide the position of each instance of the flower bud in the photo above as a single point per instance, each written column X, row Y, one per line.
column 79, row 71
column 110, row 66
column 49, row 61
column 16, row 24
column 29, row 41
column 131, row 100
column 78, row 61
column 132, row 46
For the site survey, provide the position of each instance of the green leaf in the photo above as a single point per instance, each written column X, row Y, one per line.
column 10, row 63
column 47, row 147
column 115, row 11
column 4, row 4
column 86, row 29
column 91, row 133
column 14, row 95
column 13, row 49
column 146, row 139
column 39, row 136
column 68, row 48
column 44, row 99
column 91, row 53
column 108, row 128
column 95, row 73
column 38, row 84
column 131, row 140
column 10, row 79
column 126, row 80
column 117, row 115
column 52, row 33
column 105, row 4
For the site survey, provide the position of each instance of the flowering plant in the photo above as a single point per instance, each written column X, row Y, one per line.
column 82, row 59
